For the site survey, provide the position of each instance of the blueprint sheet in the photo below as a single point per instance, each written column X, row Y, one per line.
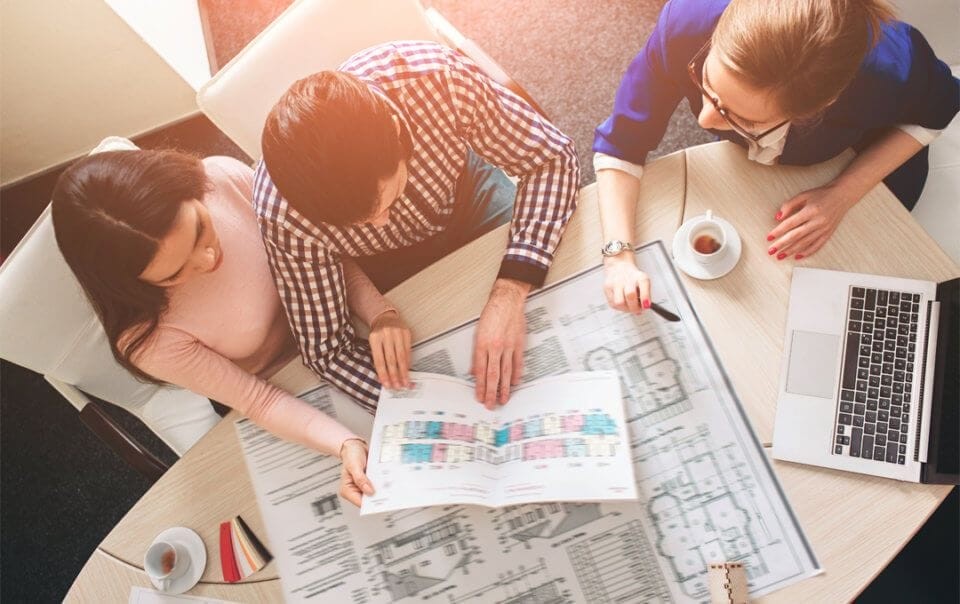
column 707, row 491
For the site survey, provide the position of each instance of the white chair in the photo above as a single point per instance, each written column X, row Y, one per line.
column 312, row 36
column 938, row 209
column 47, row 325
column 316, row 35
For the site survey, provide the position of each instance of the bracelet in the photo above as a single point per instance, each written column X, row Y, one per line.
column 344, row 444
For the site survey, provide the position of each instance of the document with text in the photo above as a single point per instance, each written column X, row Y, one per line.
column 561, row 438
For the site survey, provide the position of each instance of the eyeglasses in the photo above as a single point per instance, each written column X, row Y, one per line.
column 697, row 76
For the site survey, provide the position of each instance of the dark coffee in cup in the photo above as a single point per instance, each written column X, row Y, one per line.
column 706, row 239
column 165, row 562
column 706, row 244
column 168, row 560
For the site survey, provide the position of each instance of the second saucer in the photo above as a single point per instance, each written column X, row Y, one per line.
column 706, row 247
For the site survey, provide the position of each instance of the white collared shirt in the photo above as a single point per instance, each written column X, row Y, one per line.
column 766, row 152
column 770, row 147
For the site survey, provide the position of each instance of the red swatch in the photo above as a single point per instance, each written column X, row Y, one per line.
column 228, row 564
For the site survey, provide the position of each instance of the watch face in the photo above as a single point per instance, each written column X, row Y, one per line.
column 614, row 247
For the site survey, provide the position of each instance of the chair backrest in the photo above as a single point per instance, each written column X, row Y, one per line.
column 48, row 325
column 310, row 36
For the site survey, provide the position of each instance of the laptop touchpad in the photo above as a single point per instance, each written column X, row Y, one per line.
column 813, row 364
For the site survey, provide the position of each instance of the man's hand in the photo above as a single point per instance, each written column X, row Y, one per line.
column 808, row 220
column 626, row 287
column 353, row 478
column 390, row 347
column 499, row 342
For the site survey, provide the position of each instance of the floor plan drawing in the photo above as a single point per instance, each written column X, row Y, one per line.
column 706, row 490
column 701, row 504
column 651, row 380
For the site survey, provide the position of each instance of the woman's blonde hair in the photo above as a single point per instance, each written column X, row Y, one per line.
column 804, row 51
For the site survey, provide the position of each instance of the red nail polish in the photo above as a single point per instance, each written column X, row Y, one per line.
column 781, row 256
column 779, row 215
column 772, row 251
column 769, row 237
column 799, row 256
column 646, row 303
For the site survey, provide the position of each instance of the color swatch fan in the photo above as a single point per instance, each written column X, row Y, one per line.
column 241, row 553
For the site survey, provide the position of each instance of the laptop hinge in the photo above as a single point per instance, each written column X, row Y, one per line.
column 927, row 371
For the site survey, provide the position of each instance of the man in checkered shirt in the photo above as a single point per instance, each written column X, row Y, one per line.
column 386, row 162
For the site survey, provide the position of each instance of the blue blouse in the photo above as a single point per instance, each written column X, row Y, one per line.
column 900, row 81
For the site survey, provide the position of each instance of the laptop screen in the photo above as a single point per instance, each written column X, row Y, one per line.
column 943, row 457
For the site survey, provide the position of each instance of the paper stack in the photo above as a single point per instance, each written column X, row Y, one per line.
column 241, row 553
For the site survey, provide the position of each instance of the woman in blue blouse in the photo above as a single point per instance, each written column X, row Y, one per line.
column 794, row 82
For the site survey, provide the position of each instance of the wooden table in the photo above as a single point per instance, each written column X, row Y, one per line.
column 744, row 313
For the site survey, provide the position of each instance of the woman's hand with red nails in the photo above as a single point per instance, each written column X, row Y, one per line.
column 626, row 287
column 809, row 219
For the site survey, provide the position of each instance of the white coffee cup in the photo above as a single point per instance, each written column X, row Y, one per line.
column 707, row 241
column 165, row 562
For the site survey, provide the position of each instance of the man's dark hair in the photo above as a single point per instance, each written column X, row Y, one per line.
column 327, row 143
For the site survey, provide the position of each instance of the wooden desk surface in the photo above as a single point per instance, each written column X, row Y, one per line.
column 853, row 542
column 750, row 303
column 106, row 580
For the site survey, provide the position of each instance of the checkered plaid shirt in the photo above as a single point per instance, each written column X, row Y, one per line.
column 446, row 104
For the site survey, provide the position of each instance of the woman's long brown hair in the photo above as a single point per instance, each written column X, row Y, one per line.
column 110, row 211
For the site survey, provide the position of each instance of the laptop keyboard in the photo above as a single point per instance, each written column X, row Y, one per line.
column 873, row 417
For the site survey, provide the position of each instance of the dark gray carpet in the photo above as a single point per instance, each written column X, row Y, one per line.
column 63, row 489
column 569, row 55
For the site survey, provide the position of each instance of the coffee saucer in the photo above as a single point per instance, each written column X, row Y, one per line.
column 198, row 558
column 684, row 259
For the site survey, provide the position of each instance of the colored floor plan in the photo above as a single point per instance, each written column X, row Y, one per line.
column 544, row 437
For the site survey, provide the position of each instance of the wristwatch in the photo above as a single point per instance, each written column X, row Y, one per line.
column 612, row 248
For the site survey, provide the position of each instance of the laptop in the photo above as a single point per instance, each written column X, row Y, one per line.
column 871, row 376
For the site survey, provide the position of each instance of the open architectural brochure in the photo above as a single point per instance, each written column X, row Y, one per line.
column 561, row 438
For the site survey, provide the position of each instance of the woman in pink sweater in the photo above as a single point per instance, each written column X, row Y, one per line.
column 168, row 250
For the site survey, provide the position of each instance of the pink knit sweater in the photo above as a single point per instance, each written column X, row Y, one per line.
column 224, row 330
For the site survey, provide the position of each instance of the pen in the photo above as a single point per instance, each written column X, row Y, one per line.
column 663, row 312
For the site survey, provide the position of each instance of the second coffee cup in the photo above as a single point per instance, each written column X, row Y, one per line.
column 166, row 562
column 707, row 240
